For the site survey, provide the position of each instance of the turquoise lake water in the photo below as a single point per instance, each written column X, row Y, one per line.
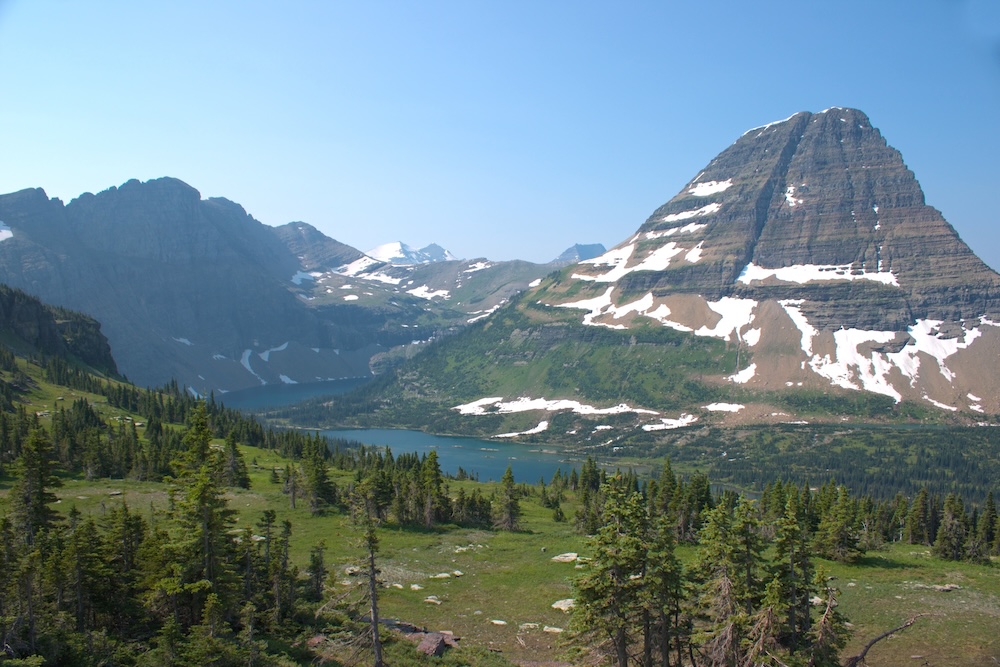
column 487, row 458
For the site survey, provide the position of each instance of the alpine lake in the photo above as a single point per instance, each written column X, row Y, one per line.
column 480, row 459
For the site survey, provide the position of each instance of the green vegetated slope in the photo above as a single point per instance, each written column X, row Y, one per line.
column 530, row 350
column 500, row 587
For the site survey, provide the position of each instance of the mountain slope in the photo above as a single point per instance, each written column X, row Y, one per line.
column 29, row 326
column 811, row 233
column 805, row 251
column 198, row 291
column 186, row 288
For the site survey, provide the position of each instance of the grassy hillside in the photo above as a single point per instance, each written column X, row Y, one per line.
column 501, row 603
column 511, row 577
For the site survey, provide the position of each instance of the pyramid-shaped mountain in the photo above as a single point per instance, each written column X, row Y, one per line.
column 808, row 243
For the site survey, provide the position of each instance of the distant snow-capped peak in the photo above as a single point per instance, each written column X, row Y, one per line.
column 399, row 253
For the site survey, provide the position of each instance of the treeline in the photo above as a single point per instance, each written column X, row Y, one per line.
column 85, row 443
column 844, row 525
column 880, row 460
column 410, row 490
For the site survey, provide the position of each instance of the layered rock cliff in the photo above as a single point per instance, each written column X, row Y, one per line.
column 808, row 244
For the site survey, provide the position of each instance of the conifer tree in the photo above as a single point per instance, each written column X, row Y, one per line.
column 234, row 468
column 793, row 574
column 950, row 541
column 664, row 592
column 836, row 537
column 728, row 572
column 918, row 520
column 609, row 595
column 30, row 498
column 506, row 506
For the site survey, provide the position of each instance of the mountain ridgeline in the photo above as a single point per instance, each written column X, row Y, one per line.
column 802, row 261
column 800, row 276
column 198, row 291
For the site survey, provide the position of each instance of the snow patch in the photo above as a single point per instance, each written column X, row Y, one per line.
column 928, row 339
column 744, row 375
column 351, row 297
column 938, row 404
column 752, row 337
column 542, row 426
column 5, row 232
column 183, row 341
column 708, row 209
column 425, row 292
column 804, row 273
column 689, row 228
column 723, row 407
column 266, row 354
column 694, row 254
column 760, row 129
column 535, row 283
column 670, row 424
column 245, row 362
column 871, row 371
column 616, row 258
column 382, row 278
column 710, row 187
column 736, row 314
column 790, row 196
column 358, row 266
column 287, row 380
column 497, row 405
column 478, row 266
column 483, row 314
column 807, row 330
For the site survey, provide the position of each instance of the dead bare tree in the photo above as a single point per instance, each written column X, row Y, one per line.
column 859, row 659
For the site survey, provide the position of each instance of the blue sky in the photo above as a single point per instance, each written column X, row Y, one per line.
column 506, row 129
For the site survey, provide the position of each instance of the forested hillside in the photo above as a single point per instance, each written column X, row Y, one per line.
column 201, row 556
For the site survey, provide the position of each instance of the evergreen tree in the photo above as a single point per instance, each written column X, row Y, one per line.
column 664, row 593
column 793, row 575
column 234, row 468
column 320, row 490
column 30, row 498
column 610, row 594
column 837, row 537
column 950, row 541
column 730, row 585
column 434, row 502
column 506, row 506
column 918, row 520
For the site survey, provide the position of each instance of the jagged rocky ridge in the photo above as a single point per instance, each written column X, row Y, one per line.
column 808, row 244
column 199, row 291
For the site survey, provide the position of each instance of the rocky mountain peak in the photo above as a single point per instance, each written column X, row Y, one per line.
column 819, row 217
column 579, row 252
column 398, row 253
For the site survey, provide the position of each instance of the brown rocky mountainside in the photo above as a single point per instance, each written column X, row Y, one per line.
column 808, row 243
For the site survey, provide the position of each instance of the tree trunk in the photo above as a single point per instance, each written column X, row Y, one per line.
column 373, row 594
